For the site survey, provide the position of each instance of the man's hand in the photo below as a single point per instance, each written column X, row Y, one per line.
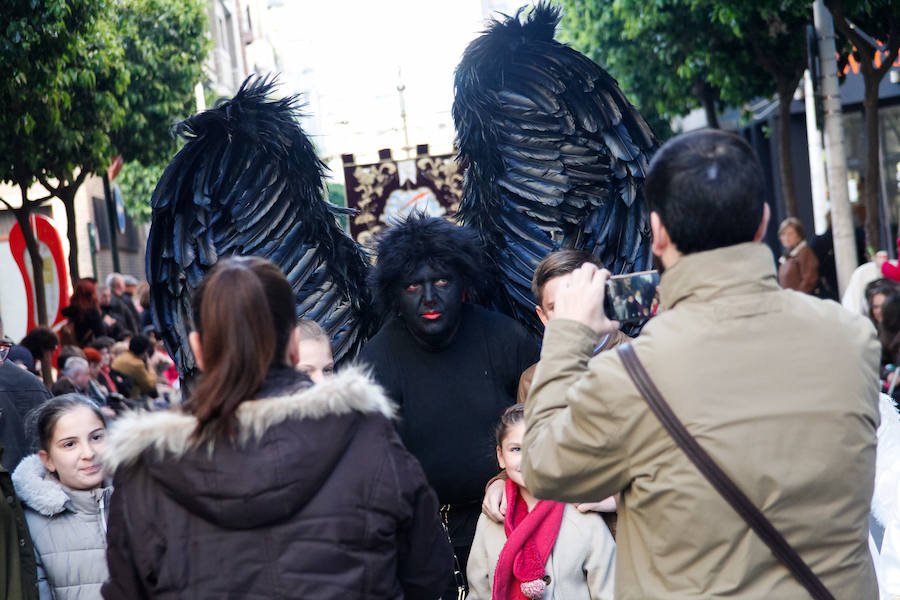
column 494, row 503
column 580, row 298
column 608, row 505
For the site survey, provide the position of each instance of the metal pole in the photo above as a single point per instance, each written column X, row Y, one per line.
column 836, row 161
column 112, row 222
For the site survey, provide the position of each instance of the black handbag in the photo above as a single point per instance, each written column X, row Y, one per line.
column 719, row 480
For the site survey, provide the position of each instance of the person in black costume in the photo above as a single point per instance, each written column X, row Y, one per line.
column 450, row 365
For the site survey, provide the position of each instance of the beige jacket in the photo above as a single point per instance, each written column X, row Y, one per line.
column 580, row 567
column 779, row 387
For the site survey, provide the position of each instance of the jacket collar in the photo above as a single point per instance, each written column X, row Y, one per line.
column 701, row 276
column 38, row 488
column 172, row 432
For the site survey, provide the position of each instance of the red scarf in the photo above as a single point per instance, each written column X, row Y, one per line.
column 110, row 384
column 530, row 537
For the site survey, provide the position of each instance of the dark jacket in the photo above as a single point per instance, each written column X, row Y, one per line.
column 315, row 498
column 18, row 574
column 88, row 324
column 20, row 392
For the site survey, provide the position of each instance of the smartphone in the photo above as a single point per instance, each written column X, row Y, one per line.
column 632, row 297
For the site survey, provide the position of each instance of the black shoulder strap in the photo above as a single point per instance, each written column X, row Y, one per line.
column 717, row 477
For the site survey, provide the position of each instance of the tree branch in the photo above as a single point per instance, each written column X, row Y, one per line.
column 54, row 191
column 8, row 205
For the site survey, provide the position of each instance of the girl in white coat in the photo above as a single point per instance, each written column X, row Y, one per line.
column 543, row 549
column 62, row 487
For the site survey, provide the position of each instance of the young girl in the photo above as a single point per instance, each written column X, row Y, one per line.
column 543, row 549
column 314, row 351
column 62, row 487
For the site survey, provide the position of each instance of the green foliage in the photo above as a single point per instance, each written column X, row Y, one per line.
column 165, row 44
column 670, row 55
column 137, row 183
column 337, row 195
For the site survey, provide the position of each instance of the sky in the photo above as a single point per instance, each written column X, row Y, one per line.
column 348, row 57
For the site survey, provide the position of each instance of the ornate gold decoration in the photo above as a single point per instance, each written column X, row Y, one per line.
column 444, row 173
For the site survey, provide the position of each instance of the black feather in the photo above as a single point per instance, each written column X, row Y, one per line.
column 553, row 146
column 248, row 181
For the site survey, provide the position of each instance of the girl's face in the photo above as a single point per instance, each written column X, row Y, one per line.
column 315, row 358
column 789, row 237
column 509, row 453
column 78, row 437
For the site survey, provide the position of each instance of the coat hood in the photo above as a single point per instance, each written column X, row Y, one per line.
column 285, row 449
column 39, row 488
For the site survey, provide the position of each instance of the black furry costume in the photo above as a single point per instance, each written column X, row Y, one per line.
column 555, row 156
column 450, row 399
column 248, row 181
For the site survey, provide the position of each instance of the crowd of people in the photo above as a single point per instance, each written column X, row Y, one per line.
column 458, row 456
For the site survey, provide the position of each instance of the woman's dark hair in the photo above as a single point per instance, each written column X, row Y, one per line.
column 102, row 342
column 140, row 344
column 707, row 188
column 512, row 415
column 39, row 340
column 84, row 296
column 45, row 417
column 240, row 342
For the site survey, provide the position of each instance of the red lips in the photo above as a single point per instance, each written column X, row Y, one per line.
column 431, row 315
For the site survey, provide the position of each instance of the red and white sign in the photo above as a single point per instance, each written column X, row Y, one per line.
column 55, row 276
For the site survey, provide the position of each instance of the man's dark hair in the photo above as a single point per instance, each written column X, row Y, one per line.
column 139, row 344
column 557, row 264
column 65, row 353
column 102, row 342
column 707, row 187
column 419, row 240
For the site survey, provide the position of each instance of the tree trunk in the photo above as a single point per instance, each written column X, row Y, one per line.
column 37, row 263
column 47, row 368
column 873, row 178
column 785, row 158
column 68, row 199
column 707, row 97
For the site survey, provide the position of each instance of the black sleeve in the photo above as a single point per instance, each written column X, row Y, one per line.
column 425, row 558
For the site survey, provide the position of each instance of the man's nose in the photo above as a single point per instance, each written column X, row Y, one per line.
column 428, row 297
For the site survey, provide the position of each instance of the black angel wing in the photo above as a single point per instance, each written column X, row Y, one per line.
column 248, row 182
column 555, row 155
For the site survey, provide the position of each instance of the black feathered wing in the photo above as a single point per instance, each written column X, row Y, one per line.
column 248, row 182
column 555, row 155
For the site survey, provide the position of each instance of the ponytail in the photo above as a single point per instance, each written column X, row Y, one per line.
column 241, row 340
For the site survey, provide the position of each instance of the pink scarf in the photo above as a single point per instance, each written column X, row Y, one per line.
column 530, row 537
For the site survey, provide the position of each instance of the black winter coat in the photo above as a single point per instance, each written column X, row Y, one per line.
column 316, row 498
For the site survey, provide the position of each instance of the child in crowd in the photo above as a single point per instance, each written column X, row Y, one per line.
column 314, row 349
column 543, row 549
column 62, row 487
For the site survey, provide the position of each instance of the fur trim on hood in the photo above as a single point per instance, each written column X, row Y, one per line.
column 39, row 488
column 352, row 390
column 887, row 463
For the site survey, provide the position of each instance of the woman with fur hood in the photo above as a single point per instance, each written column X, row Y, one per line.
column 268, row 486
column 62, row 487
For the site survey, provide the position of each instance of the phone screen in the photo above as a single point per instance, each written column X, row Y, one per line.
column 632, row 297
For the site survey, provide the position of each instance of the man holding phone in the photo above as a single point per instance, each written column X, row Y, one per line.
column 778, row 387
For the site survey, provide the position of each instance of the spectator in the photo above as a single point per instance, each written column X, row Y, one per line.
column 20, row 356
column 84, row 313
column 42, row 343
column 62, row 487
column 798, row 266
column 543, row 548
column 719, row 355
column 133, row 363
column 20, row 392
column 314, row 350
column 78, row 371
column 315, row 496
column 65, row 353
column 120, row 308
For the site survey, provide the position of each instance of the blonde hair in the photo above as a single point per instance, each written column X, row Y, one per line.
column 796, row 224
column 310, row 330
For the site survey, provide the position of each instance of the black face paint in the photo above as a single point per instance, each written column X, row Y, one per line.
column 430, row 304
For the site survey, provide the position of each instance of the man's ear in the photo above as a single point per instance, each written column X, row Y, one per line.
column 763, row 224
column 541, row 315
column 661, row 240
column 194, row 340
